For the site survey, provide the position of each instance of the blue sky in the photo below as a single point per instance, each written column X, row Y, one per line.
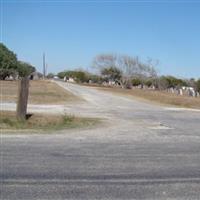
column 73, row 32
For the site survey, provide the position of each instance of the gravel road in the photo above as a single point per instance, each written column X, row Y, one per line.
column 142, row 151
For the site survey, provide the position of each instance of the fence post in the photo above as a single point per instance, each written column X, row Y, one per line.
column 23, row 90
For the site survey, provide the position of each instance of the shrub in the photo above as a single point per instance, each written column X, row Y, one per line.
column 198, row 85
column 79, row 76
column 136, row 82
column 50, row 75
column 148, row 82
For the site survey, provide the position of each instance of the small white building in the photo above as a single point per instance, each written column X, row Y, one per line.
column 56, row 77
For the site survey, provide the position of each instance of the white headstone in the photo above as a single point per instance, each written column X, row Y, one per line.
column 180, row 92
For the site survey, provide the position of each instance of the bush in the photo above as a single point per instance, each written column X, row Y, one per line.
column 50, row 75
column 95, row 78
column 165, row 82
column 148, row 82
column 79, row 76
column 198, row 85
column 61, row 75
column 25, row 69
column 136, row 82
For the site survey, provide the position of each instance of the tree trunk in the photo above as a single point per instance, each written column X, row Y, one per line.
column 23, row 91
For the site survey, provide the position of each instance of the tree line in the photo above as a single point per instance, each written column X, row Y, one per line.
column 128, row 72
column 11, row 66
column 124, row 70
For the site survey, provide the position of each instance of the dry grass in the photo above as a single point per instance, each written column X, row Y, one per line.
column 8, row 121
column 160, row 97
column 41, row 92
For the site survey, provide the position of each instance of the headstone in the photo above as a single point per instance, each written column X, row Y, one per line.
column 172, row 90
column 181, row 92
column 191, row 92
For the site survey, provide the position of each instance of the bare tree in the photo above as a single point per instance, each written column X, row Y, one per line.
column 129, row 66
column 103, row 61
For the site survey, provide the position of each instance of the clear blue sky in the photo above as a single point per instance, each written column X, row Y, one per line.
column 72, row 33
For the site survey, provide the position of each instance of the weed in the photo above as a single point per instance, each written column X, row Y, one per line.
column 44, row 122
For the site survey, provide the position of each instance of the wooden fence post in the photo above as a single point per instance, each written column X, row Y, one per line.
column 23, row 90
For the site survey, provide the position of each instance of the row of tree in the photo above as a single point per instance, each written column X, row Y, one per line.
column 114, row 67
column 127, row 72
column 114, row 75
column 124, row 70
column 11, row 66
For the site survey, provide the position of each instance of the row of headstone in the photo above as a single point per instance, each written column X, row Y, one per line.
column 68, row 79
column 145, row 87
column 188, row 91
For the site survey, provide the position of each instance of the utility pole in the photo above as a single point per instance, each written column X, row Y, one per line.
column 46, row 69
column 44, row 66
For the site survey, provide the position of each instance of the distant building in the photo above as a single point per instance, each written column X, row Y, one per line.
column 56, row 77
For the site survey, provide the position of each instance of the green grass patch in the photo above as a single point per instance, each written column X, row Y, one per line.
column 8, row 121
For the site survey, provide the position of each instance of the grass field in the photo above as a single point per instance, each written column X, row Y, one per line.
column 160, row 97
column 41, row 92
column 9, row 122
